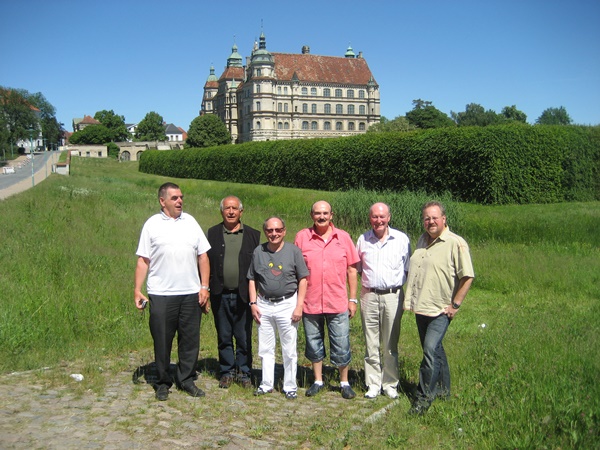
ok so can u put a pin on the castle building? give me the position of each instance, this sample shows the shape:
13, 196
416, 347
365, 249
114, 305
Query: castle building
292, 96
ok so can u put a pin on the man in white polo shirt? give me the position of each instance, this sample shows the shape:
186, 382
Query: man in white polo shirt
172, 254
384, 256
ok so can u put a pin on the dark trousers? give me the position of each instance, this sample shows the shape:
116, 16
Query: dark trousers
233, 320
434, 374
168, 315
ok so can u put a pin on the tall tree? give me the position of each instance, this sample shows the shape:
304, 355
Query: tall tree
512, 114
400, 123
151, 128
207, 131
19, 117
51, 128
475, 115
114, 123
425, 115
92, 134
554, 116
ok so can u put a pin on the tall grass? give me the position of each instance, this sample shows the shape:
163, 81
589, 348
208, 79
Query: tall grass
528, 379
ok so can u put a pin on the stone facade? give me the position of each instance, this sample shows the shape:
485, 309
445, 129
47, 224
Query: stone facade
293, 96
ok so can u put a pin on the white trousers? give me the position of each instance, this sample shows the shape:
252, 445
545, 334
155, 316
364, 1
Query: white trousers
278, 317
381, 316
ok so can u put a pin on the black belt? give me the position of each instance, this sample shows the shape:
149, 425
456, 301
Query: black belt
278, 299
386, 291
229, 291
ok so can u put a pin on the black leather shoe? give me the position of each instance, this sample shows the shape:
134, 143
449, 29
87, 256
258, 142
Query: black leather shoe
347, 392
162, 393
225, 381
193, 391
314, 389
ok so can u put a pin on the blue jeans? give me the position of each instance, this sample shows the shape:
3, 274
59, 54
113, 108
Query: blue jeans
434, 374
233, 320
338, 326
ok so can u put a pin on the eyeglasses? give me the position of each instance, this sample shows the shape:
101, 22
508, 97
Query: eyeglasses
274, 230
431, 219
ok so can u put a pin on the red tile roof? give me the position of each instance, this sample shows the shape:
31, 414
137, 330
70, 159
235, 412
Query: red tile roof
88, 120
233, 73
321, 69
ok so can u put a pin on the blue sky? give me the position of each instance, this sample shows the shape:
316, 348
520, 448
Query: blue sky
136, 56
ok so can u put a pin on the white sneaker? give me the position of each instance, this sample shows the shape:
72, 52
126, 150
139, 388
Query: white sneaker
391, 392
372, 392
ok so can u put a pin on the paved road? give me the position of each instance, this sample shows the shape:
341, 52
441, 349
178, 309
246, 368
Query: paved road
14, 183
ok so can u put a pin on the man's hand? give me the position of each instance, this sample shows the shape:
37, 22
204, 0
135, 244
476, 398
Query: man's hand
256, 315
297, 314
204, 300
351, 309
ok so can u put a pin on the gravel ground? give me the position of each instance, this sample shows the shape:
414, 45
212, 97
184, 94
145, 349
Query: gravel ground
49, 409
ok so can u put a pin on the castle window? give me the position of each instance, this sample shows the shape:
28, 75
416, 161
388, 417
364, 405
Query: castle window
279, 107
285, 107
361, 109
361, 94
313, 125
313, 91
350, 93
305, 107
351, 126
339, 109
285, 90
286, 126
327, 126
305, 125
339, 126
304, 91
361, 126
313, 108
350, 109
258, 72
327, 108
258, 106
258, 88
279, 90
280, 126
326, 92
338, 93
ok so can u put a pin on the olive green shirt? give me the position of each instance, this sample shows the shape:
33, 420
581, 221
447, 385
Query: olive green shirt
435, 272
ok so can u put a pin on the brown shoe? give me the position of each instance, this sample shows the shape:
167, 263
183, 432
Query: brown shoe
225, 381
246, 381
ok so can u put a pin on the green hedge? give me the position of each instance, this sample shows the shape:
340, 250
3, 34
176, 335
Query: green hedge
496, 164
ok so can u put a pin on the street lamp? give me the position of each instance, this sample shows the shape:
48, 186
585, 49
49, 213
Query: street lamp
31, 155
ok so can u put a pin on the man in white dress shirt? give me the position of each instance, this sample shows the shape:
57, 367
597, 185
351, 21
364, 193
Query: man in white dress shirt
384, 257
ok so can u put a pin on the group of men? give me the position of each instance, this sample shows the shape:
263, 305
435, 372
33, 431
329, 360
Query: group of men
278, 284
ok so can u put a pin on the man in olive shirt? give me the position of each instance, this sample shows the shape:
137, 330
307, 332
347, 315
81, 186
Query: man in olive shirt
440, 275
232, 244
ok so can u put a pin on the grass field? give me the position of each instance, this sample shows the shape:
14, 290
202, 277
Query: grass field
529, 378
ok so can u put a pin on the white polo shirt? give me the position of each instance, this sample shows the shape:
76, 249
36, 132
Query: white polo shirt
173, 247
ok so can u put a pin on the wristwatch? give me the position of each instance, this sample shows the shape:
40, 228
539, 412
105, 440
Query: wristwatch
205, 287
252, 303
353, 300
455, 305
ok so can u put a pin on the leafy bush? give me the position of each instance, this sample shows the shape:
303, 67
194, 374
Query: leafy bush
513, 163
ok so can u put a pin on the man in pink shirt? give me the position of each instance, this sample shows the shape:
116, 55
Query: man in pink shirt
331, 258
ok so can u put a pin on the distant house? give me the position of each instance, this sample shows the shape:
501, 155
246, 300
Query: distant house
80, 124
174, 133
131, 128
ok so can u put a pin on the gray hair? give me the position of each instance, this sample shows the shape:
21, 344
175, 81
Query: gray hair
234, 197
273, 217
